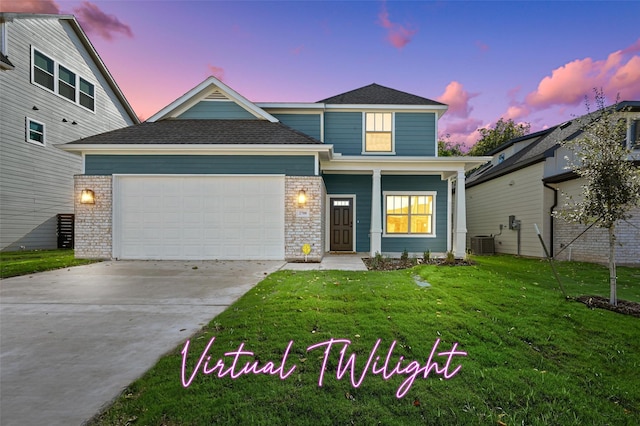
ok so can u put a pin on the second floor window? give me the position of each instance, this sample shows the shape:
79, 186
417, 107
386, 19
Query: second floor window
378, 132
59, 79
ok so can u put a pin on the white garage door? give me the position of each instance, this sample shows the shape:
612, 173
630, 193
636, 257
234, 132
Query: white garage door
199, 217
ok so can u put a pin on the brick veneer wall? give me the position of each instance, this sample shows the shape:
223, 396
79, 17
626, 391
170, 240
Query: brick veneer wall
593, 245
93, 222
304, 224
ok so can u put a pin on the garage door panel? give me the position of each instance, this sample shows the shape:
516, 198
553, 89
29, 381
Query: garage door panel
199, 217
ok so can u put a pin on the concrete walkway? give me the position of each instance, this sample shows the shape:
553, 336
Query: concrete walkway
343, 262
71, 340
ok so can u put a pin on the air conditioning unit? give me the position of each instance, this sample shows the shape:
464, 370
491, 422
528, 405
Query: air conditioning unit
483, 244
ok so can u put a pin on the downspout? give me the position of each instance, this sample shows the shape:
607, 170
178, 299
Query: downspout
555, 204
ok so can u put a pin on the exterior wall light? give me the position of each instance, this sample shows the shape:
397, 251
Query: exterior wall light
87, 197
302, 197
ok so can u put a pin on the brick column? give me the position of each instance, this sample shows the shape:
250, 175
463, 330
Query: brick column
93, 222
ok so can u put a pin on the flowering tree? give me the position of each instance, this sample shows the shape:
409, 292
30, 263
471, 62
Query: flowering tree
612, 182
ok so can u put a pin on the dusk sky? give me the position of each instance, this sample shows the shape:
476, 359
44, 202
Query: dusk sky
530, 61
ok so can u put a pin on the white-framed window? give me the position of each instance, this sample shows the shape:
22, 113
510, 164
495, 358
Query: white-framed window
378, 132
410, 214
34, 131
59, 79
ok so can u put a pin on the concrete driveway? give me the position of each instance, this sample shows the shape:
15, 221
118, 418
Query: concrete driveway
71, 340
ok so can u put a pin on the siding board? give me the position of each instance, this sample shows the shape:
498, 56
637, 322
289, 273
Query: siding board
36, 182
344, 131
415, 134
290, 165
308, 124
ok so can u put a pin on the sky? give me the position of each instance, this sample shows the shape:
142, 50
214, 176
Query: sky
533, 62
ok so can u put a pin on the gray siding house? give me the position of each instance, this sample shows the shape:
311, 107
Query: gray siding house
528, 179
215, 176
54, 88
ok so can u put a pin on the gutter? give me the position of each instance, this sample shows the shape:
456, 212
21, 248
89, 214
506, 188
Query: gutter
555, 204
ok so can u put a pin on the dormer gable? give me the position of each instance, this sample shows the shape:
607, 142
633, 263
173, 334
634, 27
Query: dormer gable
212, 99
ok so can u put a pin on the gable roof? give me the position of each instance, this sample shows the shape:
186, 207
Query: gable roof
211, 88
545, 144
199, 132
374, 94
86, 43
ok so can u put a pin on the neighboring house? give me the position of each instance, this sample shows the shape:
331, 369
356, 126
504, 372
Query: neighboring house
215, 176
54, 88
528, 179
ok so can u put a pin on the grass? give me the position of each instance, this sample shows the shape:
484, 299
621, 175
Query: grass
27, 262
532, 357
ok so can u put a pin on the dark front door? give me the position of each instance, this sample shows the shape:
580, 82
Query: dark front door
341, 228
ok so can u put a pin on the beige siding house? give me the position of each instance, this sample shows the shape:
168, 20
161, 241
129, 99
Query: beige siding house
527, 180
54, 88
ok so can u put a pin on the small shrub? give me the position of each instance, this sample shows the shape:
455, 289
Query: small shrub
426, 256
450, 258
377, 261
404, 256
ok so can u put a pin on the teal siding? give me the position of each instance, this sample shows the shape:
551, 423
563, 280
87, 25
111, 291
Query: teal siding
419, 183
216, 109
415, 134
360, 185
289, 165
344, 131
308, 124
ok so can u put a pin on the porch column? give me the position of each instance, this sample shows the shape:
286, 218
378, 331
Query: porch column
460, 218
376, 219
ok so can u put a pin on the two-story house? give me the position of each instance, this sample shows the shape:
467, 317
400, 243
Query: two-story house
215, 176
54, 88
528, 179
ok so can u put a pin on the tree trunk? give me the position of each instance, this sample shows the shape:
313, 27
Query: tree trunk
613, 296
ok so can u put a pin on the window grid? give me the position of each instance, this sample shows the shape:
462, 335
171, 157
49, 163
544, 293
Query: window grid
35, 131
57, 78
409, 214
378, 132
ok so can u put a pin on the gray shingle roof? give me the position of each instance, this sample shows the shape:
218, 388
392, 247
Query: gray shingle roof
544, 144
203, 132
375, 94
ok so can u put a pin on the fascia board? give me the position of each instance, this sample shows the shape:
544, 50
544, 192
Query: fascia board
400, 164
165, 149
201, 91
290, 105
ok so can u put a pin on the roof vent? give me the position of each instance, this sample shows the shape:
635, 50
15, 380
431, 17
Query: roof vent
216, 95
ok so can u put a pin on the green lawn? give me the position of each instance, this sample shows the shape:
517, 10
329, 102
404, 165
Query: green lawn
27, 262
532, 357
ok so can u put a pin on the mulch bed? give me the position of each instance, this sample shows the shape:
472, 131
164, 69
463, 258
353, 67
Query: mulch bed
624, 306
392, 264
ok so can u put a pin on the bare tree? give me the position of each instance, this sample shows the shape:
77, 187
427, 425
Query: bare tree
611, 181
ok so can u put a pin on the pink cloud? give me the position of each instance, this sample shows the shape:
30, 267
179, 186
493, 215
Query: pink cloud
217, 72
30, 6
482, 46
464, 132
95, 21
398, 35
298, 50
570, 83
458, 99
567, 86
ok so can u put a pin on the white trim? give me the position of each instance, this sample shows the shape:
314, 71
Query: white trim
200, 92
328, 219
27, 133
4, 43
449, 217
435, 124
433, 194
56, 80
293, 106
199, 149
316, 164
